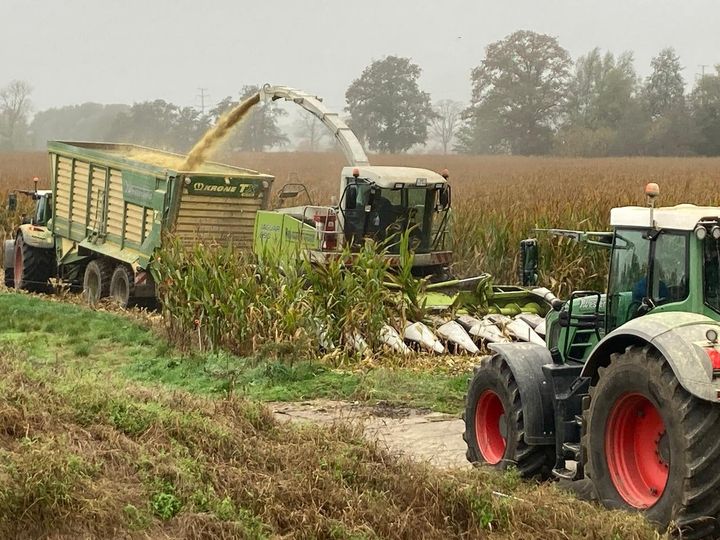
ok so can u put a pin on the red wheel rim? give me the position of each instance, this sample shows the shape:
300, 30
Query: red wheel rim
636, 450
18, 270
489, 413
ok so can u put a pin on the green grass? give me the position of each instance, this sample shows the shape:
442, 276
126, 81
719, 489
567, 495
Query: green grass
60, 332
86, 453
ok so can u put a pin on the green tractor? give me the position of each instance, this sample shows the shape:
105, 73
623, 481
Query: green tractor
625, 393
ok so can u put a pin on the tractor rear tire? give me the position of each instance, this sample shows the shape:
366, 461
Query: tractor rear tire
96, 283
651, 446
33, 267
122, 285
494, 428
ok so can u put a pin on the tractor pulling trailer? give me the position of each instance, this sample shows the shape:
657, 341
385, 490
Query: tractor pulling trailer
109, 209
627, 385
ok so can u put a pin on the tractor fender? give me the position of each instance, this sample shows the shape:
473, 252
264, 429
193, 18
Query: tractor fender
37, 236
679, 337
525, 361
9, 254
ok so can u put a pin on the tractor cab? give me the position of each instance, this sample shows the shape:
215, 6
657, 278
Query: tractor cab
661, 260
383, 202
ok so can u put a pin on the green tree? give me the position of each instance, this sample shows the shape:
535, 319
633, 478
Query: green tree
259, 130
601, 90
388, 111
517, 95
665, 86
705, 107
601, 100
15, 107
85, 122
159, 124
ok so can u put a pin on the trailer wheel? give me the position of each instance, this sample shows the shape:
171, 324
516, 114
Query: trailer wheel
494, 428
96, 283
122, 285
651, 445
33, 267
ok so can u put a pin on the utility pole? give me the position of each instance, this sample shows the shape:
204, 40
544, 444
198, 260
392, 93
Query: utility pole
202, 95
702, 69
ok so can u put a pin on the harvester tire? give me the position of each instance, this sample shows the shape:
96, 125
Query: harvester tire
494, 428
33, 267
122, 285
651, 446
96, 283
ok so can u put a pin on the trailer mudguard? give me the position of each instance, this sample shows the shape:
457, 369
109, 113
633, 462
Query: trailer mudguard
525, 361
37, 236
9, 254
679, 337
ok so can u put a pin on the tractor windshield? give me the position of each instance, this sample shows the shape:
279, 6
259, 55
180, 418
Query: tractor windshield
711, 270
392, 211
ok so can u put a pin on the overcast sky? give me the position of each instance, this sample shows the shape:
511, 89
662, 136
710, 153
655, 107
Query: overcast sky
73, 51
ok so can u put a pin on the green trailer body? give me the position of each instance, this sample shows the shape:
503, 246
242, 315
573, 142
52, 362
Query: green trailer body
118, 200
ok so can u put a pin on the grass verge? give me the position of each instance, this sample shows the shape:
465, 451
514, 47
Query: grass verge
84, 452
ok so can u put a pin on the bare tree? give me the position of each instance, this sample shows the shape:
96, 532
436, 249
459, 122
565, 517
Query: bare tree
446, 122
310, 131
15, 107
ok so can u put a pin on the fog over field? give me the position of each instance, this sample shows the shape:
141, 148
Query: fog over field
121, 52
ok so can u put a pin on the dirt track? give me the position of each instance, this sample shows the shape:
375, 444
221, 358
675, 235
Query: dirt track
427, 436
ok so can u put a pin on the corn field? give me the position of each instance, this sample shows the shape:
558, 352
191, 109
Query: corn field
497, 200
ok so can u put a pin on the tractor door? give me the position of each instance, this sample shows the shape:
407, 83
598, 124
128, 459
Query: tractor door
649, 268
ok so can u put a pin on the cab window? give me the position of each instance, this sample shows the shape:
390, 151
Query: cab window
628, 276
669, 281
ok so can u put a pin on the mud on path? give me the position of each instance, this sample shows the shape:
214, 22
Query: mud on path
426, 436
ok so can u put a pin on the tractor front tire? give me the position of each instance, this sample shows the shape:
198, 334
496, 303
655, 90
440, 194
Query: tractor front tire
96, 283
122, 285
494, 427
33, 267
651, 446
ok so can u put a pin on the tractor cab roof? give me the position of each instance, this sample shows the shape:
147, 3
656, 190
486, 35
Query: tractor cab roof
387, 177
682, 217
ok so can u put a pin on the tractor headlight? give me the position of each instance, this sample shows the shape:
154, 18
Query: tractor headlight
715, 231
700, 232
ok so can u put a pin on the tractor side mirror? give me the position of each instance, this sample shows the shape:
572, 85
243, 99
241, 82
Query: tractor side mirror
12, 202
444, 197
528, 262
351, 197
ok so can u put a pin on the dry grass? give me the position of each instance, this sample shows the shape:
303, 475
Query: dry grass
86, 454
498, 200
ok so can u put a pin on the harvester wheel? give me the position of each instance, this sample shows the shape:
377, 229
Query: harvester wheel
33, 267
122, 285
96, 283
652, 446
494, 428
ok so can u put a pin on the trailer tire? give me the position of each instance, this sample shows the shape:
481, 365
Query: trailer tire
653, 447
122, 285
33, 267
494, 426
96, 282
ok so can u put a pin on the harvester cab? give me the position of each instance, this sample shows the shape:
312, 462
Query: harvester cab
626, 390
383, 202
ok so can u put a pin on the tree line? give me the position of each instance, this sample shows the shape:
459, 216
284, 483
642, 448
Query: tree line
528, 97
